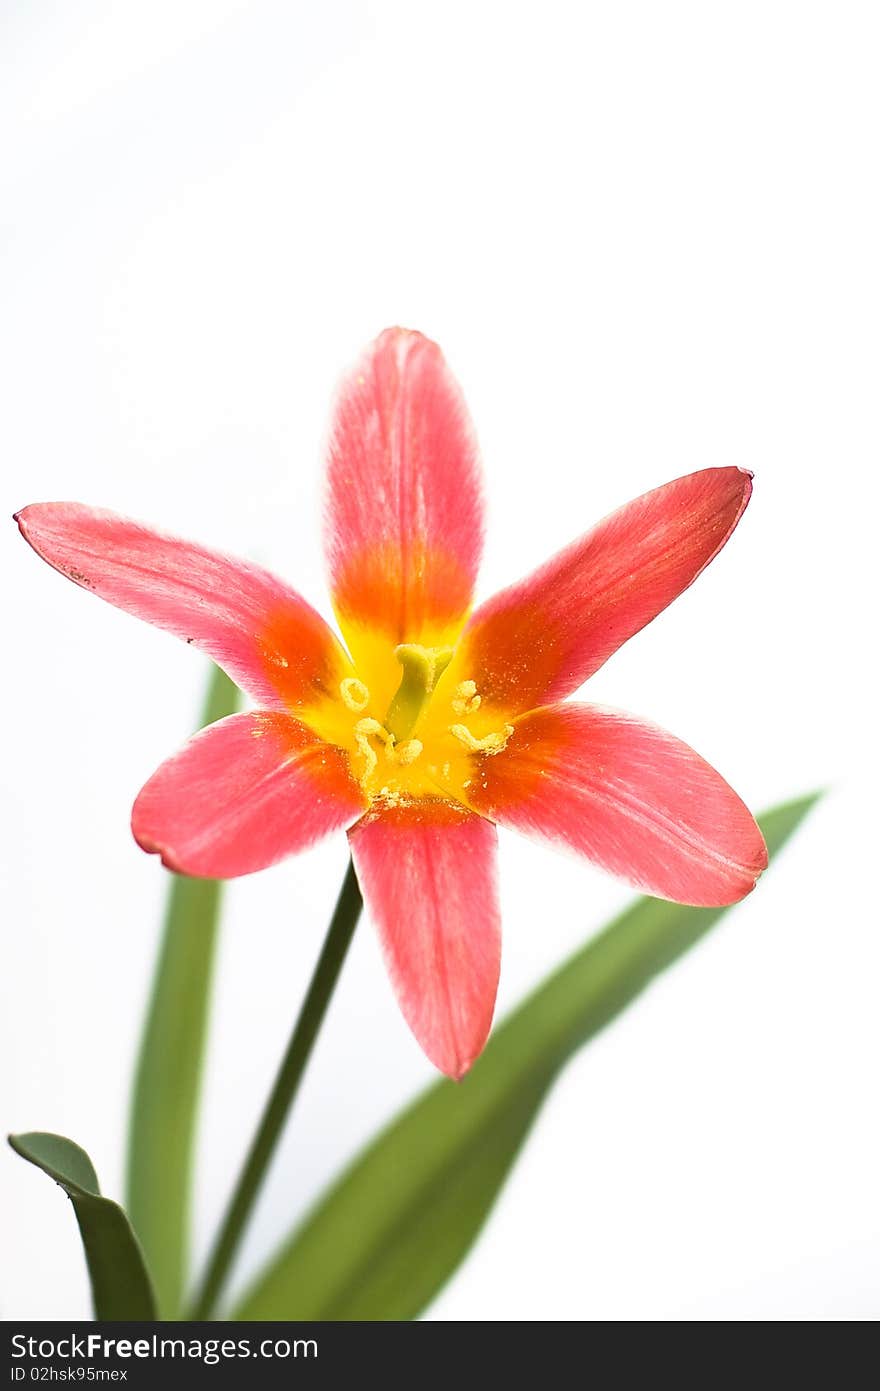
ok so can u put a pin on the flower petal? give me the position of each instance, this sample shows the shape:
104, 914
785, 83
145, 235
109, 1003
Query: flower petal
427, 873
243, 794
268, 639
539, 640
404, 501
630, 797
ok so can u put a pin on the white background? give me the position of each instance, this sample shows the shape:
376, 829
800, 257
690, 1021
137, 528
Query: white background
647, 238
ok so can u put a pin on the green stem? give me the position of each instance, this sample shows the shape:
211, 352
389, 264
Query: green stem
293, 1065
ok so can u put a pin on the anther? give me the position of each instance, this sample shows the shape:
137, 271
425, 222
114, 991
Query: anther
355, 696
370, 726
490, 743
405, 753
362, 731
465, 700
401, 754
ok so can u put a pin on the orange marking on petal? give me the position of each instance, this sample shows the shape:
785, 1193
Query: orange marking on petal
517, 657
409, 598
301, 658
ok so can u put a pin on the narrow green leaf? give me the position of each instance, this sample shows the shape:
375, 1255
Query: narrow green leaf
167, 1079
120, 1284
392, 1230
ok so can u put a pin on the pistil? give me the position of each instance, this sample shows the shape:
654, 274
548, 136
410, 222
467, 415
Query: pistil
422, 669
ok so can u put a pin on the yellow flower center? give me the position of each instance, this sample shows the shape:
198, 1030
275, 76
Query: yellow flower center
421, 745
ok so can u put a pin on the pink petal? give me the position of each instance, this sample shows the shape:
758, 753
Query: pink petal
630, 797
243, 794
260, 631
427, 873
404, 504
540, 639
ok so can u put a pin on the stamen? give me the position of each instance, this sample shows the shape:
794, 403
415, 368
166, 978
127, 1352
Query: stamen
405, 753
465, 700
402, 754
371, 726
355, 696
362, 731
490, 743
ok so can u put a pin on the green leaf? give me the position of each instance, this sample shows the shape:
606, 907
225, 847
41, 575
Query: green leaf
392, 1230
120, 1284
167, 1079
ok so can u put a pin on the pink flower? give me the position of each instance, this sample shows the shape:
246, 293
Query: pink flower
435, 724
